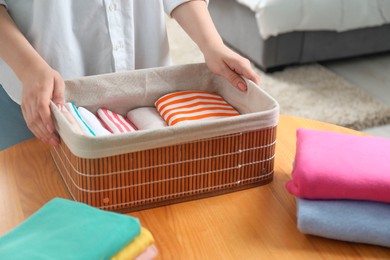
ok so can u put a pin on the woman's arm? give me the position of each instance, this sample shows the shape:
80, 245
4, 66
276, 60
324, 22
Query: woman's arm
195, 19
40, 82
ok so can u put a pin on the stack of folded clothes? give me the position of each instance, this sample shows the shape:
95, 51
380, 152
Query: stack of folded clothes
64, 229
175, 108
342, 186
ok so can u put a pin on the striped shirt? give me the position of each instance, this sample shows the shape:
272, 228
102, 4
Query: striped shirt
114, 122
187, 106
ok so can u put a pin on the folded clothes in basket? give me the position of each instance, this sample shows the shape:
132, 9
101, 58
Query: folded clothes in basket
64, 229
187, 106
332, 165
86, 129
146, 118
106, 123
71, 120
348, 220
93, 122
114, 122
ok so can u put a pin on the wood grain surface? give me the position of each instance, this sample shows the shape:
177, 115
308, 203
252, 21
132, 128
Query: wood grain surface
257, 223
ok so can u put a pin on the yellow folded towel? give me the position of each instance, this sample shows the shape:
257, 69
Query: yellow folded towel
135, 247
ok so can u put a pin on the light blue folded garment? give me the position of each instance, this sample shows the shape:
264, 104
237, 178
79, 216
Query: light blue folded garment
349, 220
64, 229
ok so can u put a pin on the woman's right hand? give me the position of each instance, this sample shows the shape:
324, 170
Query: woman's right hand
40, 82
40, 86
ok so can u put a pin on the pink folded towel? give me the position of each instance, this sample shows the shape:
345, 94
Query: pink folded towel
114, 122
149, 253
332, 165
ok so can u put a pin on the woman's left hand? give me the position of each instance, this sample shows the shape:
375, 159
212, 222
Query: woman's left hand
195, 19
226, 63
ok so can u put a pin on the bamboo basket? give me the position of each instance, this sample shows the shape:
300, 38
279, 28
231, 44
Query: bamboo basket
136, 171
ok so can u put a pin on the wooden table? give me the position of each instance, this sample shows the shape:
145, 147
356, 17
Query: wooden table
258, 223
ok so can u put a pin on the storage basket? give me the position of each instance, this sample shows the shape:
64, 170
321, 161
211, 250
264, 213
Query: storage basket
149, 168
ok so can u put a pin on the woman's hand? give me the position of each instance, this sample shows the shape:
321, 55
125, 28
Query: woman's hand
40, 82
226, 63
40, 86
195, 19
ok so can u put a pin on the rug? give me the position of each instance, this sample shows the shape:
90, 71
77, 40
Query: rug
308, 91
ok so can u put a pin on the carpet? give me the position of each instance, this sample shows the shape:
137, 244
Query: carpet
309, 91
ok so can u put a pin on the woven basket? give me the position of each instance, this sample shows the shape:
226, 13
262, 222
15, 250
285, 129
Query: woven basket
151, 168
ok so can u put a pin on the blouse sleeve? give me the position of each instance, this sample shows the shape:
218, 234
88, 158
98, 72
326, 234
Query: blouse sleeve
169, 5
2, 2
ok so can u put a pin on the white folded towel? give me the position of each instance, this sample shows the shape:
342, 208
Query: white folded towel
146, 118
93, 122
83, 125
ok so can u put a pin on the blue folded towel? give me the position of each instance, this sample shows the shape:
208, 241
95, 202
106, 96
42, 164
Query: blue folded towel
64, 229
349, 220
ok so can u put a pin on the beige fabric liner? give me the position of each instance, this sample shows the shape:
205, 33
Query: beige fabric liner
123, 91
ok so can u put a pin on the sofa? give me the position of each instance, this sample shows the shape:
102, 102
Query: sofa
238, 23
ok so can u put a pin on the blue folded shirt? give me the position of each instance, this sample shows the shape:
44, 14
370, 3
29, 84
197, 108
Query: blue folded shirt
64, 229
349, 220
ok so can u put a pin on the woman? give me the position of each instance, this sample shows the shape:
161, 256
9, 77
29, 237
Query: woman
44, 42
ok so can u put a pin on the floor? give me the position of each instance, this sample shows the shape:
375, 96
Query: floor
371, 74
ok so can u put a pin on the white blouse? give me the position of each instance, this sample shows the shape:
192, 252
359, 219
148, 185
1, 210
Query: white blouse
80, 38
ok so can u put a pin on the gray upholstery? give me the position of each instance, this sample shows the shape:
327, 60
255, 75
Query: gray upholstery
238, 27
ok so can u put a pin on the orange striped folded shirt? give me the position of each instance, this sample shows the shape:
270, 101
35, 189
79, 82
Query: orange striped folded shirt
186, 106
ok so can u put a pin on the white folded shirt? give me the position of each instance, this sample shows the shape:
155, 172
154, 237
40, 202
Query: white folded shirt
82, 124
93, 122
146, 118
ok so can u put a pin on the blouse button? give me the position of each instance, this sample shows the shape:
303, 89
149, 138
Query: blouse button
112, 7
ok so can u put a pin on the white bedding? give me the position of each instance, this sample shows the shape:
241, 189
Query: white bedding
281, 16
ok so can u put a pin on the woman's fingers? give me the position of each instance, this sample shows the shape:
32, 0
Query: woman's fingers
36, 105
233, 67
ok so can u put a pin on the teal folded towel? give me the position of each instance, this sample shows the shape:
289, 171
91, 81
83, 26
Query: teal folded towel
64, 229
349, 220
